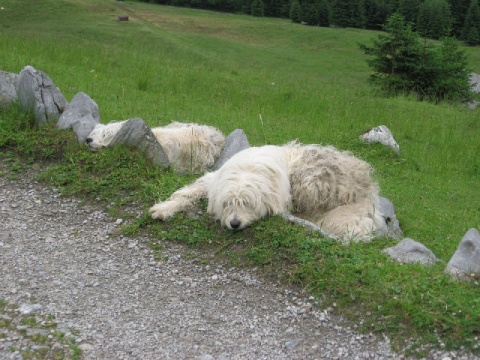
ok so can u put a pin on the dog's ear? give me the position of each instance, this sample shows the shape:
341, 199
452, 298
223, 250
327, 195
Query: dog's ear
273, 202
215, 204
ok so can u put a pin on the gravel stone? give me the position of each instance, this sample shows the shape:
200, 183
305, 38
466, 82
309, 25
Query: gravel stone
108, 292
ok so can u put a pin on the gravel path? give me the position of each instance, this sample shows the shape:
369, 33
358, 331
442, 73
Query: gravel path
123, 304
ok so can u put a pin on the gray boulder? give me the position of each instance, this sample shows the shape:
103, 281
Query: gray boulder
392, 225
81, 115
466, 260
234, 143
381, 134
475, 86
8, 88
475, 82
37, 93
135, 133
410, 251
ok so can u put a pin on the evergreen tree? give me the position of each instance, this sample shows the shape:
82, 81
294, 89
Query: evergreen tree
401, 64
295, 11
358, 13
277, 8
341, 14
377, 12
453, 79
324, 13
409, 9
272, 8
434, 19
349, 13
285, 8
247, 6
459, 9
394, 54
256, 8
309, 12
471, 28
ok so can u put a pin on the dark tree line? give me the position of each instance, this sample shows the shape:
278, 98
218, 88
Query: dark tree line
430, 18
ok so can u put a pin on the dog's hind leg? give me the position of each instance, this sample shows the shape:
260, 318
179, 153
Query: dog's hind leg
358, 221
181, 199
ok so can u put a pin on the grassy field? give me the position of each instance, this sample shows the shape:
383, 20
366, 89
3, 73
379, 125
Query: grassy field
278, 81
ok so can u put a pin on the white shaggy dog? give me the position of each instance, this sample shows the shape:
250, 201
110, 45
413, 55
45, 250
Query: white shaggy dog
332, 188
189, 147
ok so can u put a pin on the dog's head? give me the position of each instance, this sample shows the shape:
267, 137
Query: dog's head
239, 199
96, 139
102, 135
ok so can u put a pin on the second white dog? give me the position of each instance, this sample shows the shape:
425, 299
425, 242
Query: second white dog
332, 188
189, 147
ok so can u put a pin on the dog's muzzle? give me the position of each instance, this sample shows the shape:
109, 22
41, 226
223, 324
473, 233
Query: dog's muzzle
235, 224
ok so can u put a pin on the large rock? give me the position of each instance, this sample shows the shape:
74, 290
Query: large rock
466, 260
381, 134
475, 82
234, 143
410, 251
475, 86
81, 115
137, 134
37, 93
8, 88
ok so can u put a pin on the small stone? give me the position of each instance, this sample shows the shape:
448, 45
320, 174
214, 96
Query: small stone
86, 347
27, 309
292, 344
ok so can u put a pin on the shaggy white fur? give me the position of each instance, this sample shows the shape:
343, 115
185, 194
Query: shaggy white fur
103, 134
332, 188
189, 147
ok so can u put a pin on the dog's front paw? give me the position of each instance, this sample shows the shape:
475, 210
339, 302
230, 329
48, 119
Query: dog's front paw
160, 211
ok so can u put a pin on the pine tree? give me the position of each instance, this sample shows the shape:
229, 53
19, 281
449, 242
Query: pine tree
434, 19
471, 28
341, 14
377, 12
402, 64
409, 9
324, 13
272, 8
295, 10
453, 79
358, 13
459, 9
309, 12
285, 8
349, 13
257, 8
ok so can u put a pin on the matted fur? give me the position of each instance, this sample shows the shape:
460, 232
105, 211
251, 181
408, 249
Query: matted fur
332, 188
189, 147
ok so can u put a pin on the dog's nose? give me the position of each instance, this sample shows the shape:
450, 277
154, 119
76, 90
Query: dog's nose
235, 223
88, 140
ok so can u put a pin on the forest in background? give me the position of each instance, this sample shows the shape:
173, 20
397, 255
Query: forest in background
433, 19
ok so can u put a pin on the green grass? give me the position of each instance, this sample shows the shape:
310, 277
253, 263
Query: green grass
278, 81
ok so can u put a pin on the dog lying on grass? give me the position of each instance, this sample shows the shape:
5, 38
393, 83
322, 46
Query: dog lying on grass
331, 188
189, 147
